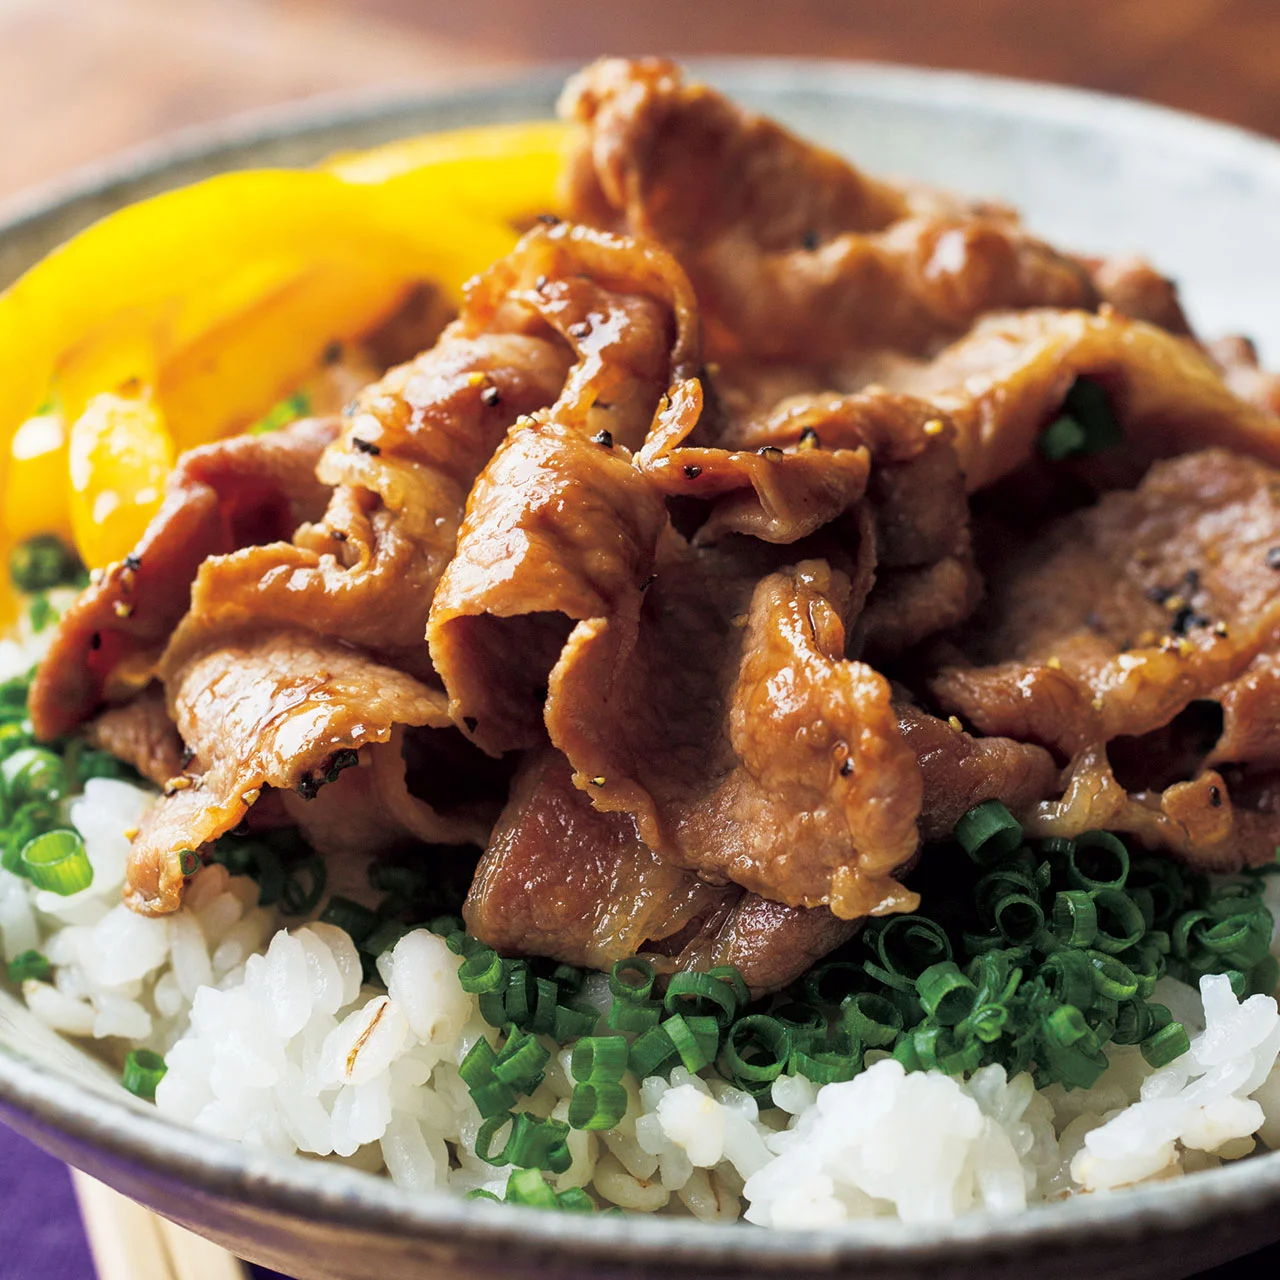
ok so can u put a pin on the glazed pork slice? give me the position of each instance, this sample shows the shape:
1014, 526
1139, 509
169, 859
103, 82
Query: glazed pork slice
141, 734
561, 879
1006, 380
1110, 625
738, 736
278, 709
236, 493
794, 254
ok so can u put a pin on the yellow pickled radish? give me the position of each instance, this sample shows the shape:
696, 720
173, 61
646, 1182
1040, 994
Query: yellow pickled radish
35, 490
119, 456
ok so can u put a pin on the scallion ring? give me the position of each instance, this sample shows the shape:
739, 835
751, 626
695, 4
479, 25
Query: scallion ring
58, 862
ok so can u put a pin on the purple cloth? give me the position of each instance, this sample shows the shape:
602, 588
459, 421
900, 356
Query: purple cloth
41, 1237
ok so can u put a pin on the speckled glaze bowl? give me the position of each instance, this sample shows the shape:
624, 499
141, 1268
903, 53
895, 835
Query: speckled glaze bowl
1093, 173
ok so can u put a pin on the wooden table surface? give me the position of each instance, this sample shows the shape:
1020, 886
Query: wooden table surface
82, 78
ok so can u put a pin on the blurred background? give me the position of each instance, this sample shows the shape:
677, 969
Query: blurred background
82, 78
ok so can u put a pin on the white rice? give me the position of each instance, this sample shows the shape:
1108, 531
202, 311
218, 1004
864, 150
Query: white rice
272, 1039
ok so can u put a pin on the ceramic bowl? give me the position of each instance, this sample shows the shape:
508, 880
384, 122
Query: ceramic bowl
1093, 173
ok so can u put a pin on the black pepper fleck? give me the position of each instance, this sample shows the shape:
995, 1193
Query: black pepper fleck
769, 451
365, 446
540, 283
847, 767
580, 330
1273, 558
604, 438
491, 396
332, 353
188, 755
1185, 619
810, 240
1215, 798
549, 219
470, 722
95, 640
648, 582
133, 562
692, 471
339, 535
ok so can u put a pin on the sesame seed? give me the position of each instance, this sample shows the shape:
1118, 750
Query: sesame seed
131, 833
476, 379
954, 722
809, 439
934, 427
1054, 663
250, 797
598, 781
122, 609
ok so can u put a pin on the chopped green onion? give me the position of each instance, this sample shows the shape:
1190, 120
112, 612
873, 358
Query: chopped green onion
696, 1039
631, 979
1163, 1046
353, 919
532, 1143
57, 861
1120, 922
828, 985
701, 995
384, 938
30, 964
871, 1019
575, 1200
1070, 976
143, 1070
825, 1066
757, 1048
599, 1058
597, 1105
520, 1062
1074, 921
729, 973
481, 971
33, 773
1098, 860
1111, 977
568, 978
1087, 425
1063, 438
651, 1053
529, 1187
988, 832
574, 1020
304, 887
947, 995
1018, 917
43, 562
631, 1015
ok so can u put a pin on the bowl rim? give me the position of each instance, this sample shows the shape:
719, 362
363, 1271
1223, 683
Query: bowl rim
301, 1188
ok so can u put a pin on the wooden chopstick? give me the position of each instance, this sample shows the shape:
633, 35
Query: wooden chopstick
129, 1242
